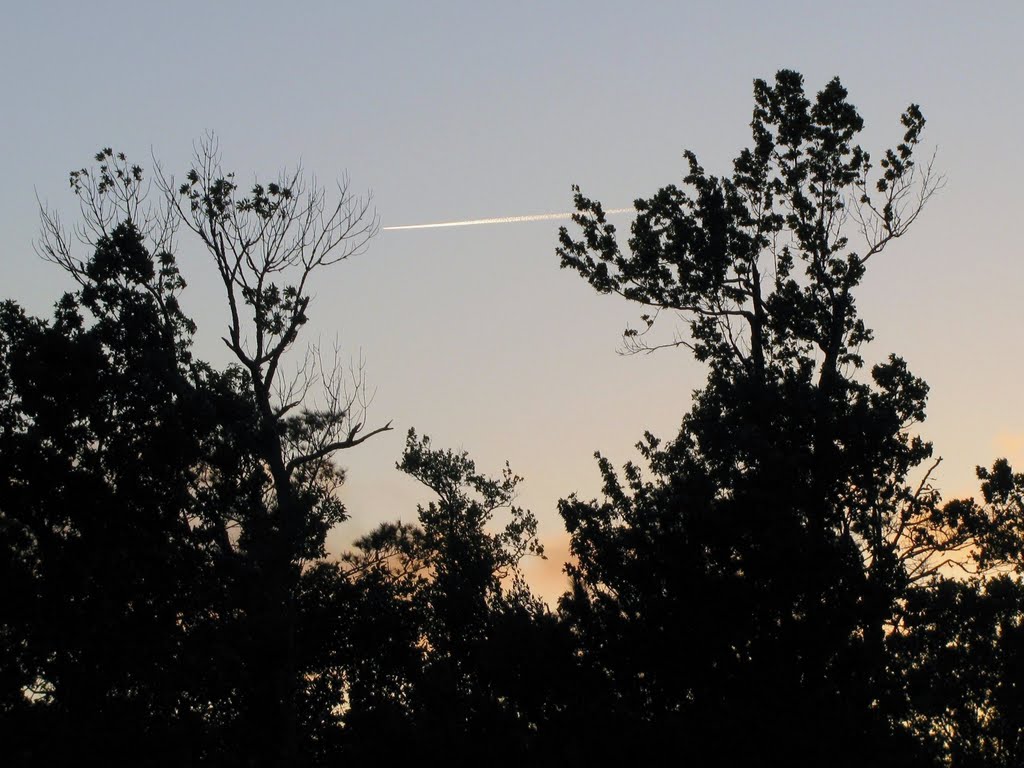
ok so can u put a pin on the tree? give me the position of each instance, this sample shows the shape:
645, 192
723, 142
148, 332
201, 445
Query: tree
271, 479
959, 644
267, 245
996, 523
479, 688
959, 654
106, 424
786, 502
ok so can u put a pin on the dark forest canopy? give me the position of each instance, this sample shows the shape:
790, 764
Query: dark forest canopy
779, 578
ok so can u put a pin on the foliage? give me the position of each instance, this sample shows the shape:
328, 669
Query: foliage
244, 456
474, 620
959, 653
748, 585
108, 545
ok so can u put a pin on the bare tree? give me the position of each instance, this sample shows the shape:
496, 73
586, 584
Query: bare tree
269, 243
266, 245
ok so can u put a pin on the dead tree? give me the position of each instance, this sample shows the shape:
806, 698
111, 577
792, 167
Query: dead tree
269, 243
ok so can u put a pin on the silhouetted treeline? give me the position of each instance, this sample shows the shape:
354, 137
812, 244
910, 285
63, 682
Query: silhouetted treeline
779, 583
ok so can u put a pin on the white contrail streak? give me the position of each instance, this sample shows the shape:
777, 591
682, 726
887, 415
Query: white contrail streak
499, 220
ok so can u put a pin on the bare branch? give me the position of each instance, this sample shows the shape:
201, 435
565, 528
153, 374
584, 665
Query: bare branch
349, 442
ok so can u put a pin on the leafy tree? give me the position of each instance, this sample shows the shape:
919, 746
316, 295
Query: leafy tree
996, 522
958, 643
744, 583
478, 689
107, 548
959, 651
256, 491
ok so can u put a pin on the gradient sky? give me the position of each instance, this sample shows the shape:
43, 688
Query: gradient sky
458, 110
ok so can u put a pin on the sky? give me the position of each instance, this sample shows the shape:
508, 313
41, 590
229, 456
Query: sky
465, 110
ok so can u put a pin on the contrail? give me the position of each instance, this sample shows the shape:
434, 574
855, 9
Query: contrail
500, 220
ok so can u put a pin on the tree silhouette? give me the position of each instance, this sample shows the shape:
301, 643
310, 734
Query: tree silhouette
253, 479
960, 655
268, 245
744, 583
477, 691
106, 424
958, 645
